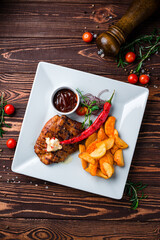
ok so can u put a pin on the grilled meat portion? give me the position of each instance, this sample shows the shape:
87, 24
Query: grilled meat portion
61, 128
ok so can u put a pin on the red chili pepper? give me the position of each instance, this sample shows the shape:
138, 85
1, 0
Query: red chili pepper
94, 127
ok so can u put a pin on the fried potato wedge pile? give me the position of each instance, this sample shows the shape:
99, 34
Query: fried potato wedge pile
102, 150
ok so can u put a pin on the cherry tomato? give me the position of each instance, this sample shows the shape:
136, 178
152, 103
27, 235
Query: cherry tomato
132, 78
144, 79
130, 57
11, 143
81, 111
87, 37
9, 109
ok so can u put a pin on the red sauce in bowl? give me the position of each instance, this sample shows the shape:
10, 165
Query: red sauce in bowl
65, 100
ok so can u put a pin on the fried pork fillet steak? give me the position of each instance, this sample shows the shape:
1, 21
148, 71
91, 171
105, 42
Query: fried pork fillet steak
62, 128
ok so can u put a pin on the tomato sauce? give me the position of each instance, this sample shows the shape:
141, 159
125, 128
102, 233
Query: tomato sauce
65, 100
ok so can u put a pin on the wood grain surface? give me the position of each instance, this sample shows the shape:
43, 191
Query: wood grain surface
50, 30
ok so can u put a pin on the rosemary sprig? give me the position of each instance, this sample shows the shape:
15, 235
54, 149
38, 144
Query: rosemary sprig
132, 191
145, 46
2, 115
90, 108
152, 50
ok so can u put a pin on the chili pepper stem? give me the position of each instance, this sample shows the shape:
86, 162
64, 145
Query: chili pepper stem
109, 101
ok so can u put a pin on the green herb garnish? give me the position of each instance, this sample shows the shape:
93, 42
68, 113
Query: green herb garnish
2, 114
91, 107
145, 46
132, 191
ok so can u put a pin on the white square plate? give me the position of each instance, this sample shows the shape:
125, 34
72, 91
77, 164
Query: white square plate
128, 107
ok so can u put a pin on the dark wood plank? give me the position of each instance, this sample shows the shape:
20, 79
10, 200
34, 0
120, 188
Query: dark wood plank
23, 19
22, 55
56, 20
61, 229
91, 2
24, 197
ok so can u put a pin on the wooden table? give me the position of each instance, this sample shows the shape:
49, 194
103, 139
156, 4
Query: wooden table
51, 30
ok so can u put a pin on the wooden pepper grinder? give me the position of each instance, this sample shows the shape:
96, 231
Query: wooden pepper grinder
109, 42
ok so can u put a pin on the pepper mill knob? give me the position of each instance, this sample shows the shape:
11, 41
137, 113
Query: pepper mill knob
110, 41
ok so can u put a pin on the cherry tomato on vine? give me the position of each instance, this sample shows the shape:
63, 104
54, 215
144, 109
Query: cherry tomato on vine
81, 111
130, 57
11, 143
144, 79
9, 109
132, 78
87, 37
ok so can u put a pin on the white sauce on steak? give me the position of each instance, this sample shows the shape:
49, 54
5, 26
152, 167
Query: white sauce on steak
53, 144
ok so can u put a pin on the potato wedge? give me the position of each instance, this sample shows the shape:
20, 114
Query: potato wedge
99, 152
120, 143
114, 149
93, 168
101, 134
100, 174
109, 169
118, 158
115, 133
109, 126
81, 148
87, 170
90, 139
92, 146
105, 159
86, 156
108, 158
84, 163
108, 143
101, 161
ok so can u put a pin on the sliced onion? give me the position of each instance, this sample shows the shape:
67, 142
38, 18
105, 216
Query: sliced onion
99, 102
103, 91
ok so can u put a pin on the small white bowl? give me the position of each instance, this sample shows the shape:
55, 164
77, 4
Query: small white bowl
73, 90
